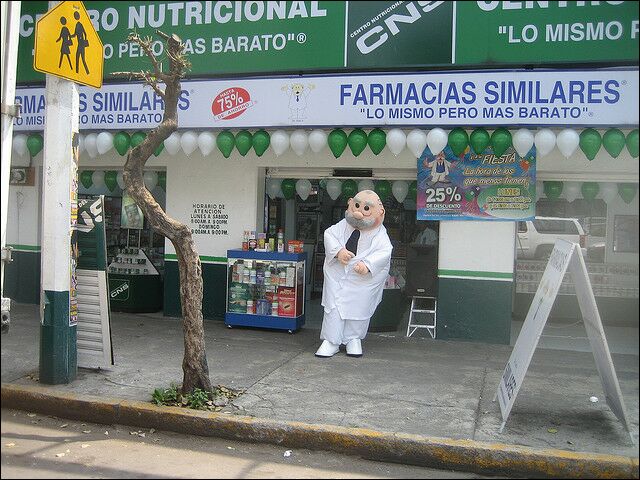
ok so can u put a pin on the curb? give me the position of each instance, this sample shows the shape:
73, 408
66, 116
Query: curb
433, 452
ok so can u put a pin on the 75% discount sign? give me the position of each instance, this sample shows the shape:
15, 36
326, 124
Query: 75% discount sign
230, 103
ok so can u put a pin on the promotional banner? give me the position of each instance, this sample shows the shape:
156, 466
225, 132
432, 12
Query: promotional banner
239, 37
74, 253
474, 186
131, 216
541, 98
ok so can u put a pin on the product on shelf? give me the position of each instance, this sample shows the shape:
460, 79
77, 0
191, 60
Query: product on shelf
280, 241
132, 261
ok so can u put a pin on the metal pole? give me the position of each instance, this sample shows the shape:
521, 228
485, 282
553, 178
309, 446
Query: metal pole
58, 350
10, 23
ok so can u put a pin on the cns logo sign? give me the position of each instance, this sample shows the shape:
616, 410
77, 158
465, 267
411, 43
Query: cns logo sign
119, 290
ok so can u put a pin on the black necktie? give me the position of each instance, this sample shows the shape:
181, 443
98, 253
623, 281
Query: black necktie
352, 243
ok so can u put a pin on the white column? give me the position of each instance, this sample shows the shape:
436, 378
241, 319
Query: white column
9, 42
61, 121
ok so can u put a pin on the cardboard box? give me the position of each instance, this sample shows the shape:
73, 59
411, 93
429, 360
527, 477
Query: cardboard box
286, 302
295, 246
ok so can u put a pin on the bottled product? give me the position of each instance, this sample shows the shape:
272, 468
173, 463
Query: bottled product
280, 241
245, 240
261, 241
252, 240
250, 306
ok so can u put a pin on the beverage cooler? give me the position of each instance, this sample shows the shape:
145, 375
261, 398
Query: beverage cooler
265, 289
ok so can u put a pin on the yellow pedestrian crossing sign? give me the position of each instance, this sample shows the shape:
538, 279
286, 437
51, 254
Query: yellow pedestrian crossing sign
68, 46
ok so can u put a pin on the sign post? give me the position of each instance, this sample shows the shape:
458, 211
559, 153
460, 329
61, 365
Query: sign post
66, 27
565, 256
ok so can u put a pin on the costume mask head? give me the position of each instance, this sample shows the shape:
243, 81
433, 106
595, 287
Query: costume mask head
365, 210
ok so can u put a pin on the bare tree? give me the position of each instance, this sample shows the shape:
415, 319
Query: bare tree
194, 363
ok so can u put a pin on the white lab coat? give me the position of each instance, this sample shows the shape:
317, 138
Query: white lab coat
355, 296
434, 165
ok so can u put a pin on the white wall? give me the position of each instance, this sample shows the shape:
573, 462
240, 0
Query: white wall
232, 182
23, 214
476, 246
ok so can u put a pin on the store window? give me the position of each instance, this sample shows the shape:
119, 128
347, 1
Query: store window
581, 221
625, 234
606, 240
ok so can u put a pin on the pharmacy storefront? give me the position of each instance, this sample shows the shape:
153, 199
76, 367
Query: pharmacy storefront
498, 163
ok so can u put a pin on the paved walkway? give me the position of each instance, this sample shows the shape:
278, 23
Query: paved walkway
432, 392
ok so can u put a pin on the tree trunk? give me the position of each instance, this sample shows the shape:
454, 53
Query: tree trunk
194, 364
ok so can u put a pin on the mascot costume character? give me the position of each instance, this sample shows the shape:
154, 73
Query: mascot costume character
356, 265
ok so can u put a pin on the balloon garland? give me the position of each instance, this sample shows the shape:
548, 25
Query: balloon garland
568, 140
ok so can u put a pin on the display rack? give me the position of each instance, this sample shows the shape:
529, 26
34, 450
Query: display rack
119, 238
265, 289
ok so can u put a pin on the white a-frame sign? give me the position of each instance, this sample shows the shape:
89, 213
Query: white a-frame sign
565, 255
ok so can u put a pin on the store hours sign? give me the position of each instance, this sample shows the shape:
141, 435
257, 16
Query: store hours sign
209, 219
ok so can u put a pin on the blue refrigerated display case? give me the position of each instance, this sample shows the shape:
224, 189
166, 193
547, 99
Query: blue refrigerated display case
265, 289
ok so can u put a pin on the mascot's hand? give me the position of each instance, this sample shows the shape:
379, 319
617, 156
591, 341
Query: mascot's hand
344, 256
361, 268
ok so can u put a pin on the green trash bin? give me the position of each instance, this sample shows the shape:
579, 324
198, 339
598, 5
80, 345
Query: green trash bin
135, 293
390, 312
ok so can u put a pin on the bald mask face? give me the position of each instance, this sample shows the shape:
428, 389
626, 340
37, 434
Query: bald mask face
365, 210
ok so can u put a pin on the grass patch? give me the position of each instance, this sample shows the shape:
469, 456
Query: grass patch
214, 400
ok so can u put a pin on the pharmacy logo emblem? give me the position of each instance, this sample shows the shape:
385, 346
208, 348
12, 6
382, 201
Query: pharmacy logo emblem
121, 291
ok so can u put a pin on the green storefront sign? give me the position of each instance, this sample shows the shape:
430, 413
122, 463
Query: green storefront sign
546, 32
220, 37
399, 34
233, 37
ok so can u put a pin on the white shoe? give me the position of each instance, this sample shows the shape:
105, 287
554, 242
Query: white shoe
327, 349
354, 348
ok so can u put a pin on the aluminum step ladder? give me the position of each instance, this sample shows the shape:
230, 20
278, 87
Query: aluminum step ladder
427, 306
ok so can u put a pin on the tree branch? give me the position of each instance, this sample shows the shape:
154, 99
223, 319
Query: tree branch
145, 44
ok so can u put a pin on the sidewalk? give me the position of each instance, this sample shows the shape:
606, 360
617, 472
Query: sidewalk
433, 396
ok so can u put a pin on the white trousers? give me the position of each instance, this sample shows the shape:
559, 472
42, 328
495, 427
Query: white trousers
439, 177
339, 331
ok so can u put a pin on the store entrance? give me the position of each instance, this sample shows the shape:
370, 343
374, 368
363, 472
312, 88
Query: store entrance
306, 220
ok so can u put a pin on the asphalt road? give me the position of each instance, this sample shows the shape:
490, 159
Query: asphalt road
39, 446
